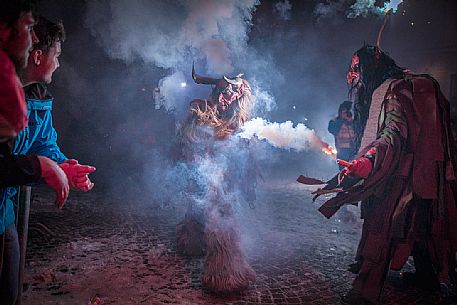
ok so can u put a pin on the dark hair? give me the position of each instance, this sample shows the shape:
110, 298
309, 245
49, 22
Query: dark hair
375, 66
12, 10
346, 105
48, 33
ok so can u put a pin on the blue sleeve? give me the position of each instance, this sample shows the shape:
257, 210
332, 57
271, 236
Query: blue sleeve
334, 126
45, 143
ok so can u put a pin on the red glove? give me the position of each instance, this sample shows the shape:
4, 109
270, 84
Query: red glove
360, 167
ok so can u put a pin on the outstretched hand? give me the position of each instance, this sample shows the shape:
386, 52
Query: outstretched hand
78, 174
360, 168
54, 176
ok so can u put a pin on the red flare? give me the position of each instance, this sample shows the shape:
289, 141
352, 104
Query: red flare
343, 163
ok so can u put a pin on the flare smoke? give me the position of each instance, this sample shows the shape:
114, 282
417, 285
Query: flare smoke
285, 135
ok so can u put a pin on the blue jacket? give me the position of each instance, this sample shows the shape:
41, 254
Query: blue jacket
38, 138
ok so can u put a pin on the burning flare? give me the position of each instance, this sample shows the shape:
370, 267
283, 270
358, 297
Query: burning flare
329, 150
285, 135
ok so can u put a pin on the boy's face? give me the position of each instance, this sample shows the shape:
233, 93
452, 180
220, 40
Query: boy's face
46, 62
20, 41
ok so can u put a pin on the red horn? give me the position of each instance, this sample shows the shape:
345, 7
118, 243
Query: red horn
202, 79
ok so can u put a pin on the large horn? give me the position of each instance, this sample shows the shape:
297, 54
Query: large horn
202, 79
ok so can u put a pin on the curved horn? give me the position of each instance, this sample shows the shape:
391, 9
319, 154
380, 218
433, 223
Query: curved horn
202, 79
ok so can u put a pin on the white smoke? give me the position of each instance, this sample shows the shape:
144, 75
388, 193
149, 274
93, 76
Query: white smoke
392, 5
171, 34
171, 89
283, 8
283, 135
265, 102
329, 10
364, 8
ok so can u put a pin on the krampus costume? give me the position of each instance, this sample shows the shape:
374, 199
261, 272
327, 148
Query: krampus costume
209, 225
404, 176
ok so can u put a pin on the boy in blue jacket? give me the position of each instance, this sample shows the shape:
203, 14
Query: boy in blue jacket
16, 38
40, 137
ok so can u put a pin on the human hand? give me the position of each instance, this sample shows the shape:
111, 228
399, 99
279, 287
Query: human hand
360, 168
54, 176
78, 174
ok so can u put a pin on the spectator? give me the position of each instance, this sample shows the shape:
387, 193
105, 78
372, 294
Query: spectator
343, 130
16, 37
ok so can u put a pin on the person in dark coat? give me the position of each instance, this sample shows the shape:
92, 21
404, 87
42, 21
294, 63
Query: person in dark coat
403, 175
342, 129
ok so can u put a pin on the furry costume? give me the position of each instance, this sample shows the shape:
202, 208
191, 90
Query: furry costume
212, 229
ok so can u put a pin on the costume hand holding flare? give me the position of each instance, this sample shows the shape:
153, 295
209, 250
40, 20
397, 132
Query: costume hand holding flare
360, 167
406, 185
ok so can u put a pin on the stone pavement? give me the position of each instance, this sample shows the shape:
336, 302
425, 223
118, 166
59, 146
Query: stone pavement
124, 251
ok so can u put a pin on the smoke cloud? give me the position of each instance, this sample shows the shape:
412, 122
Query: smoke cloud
283, 135
295, 65
283, 8
172, 33
361, 8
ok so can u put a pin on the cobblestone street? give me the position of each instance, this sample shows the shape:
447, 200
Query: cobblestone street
124, 251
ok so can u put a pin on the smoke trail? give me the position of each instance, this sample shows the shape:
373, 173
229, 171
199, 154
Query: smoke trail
362, 8
285, 135
366, 7
392, 5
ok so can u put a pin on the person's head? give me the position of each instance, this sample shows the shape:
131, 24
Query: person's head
369, 68
44, 58
16, 30
345, 111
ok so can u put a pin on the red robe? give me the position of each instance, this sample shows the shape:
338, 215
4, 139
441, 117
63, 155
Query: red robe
414, 161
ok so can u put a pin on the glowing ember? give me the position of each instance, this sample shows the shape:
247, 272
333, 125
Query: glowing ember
329, 150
